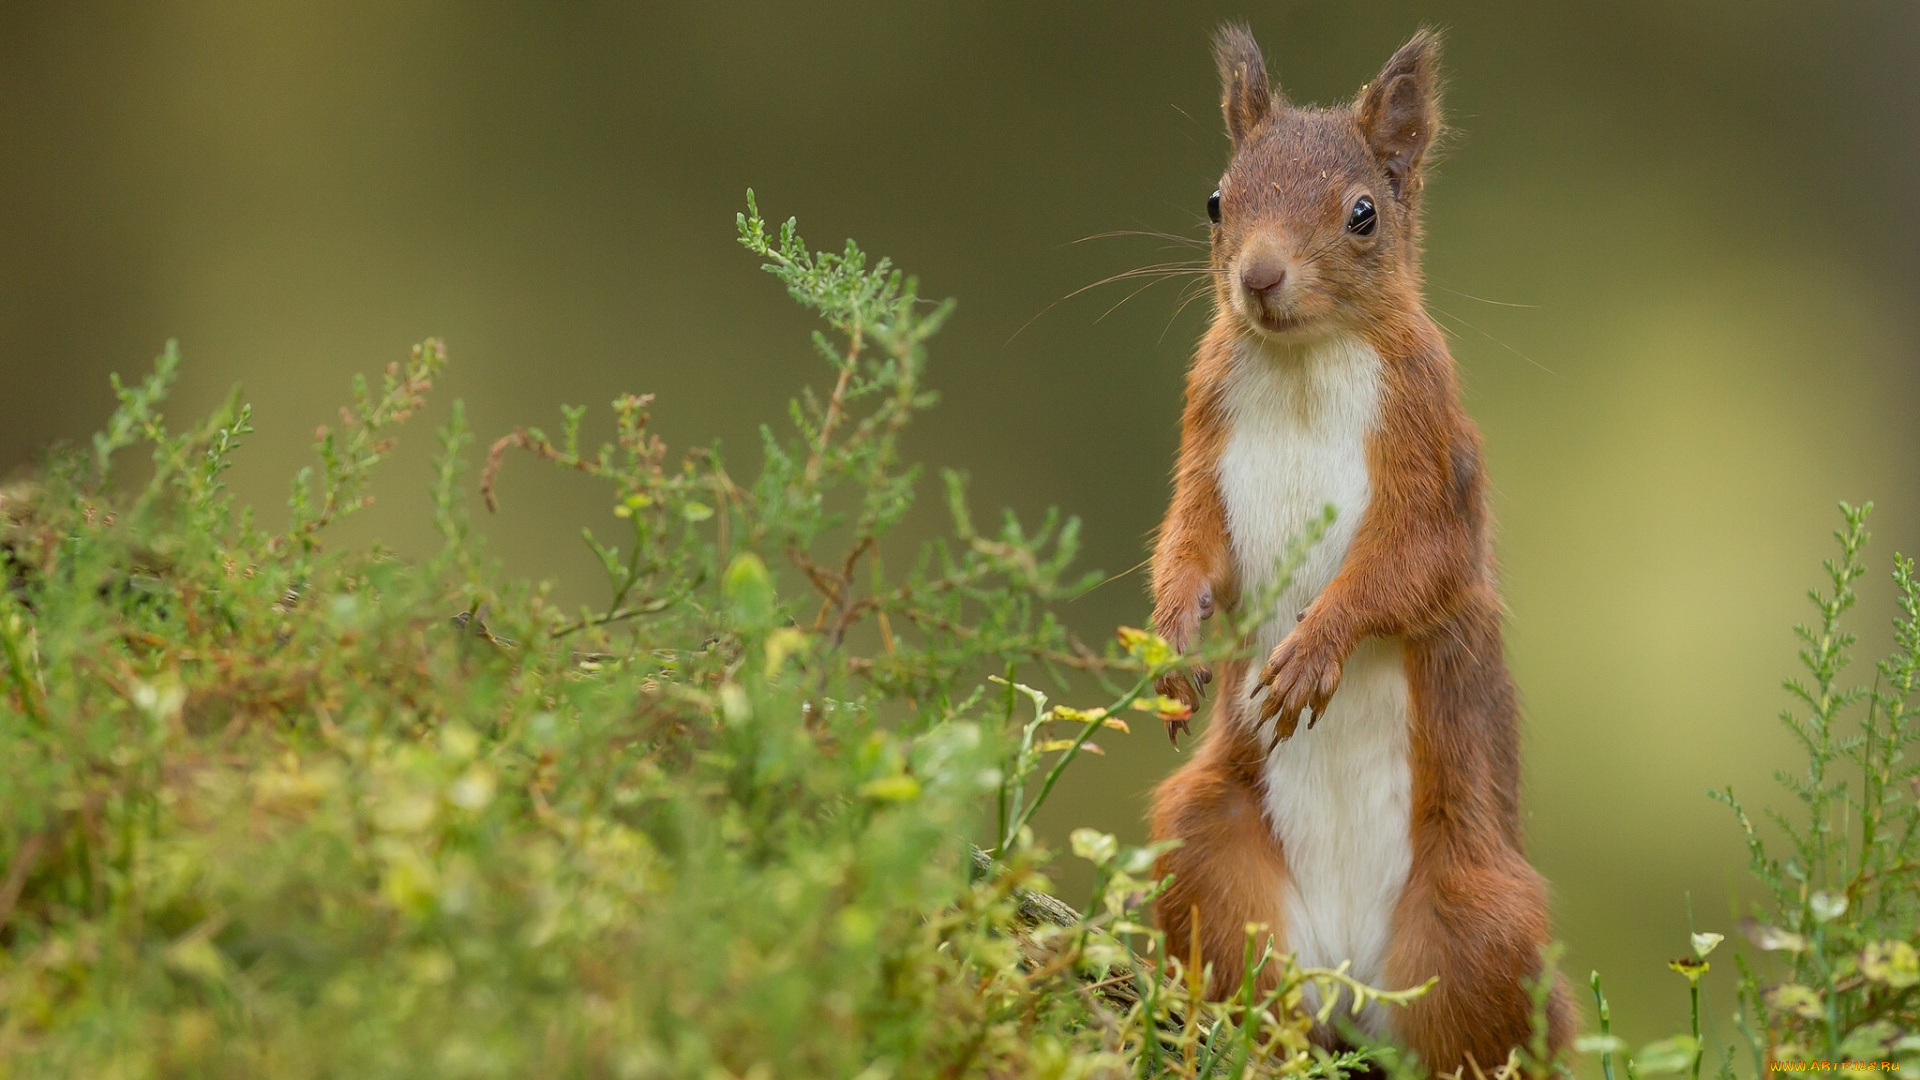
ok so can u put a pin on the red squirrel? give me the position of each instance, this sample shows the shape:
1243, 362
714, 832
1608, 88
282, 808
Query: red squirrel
1358, 791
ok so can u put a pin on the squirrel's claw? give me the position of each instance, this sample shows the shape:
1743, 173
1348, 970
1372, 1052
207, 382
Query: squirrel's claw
1180, 626
1299, 677
1186, 687
1177, 728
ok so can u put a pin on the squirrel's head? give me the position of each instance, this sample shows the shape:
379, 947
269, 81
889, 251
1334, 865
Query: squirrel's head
1317, 220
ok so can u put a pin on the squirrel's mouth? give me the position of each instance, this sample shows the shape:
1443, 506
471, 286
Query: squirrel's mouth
1279, 324
1278, 319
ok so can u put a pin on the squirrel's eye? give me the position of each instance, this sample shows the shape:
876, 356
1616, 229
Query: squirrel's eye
1213, 207
1362, 218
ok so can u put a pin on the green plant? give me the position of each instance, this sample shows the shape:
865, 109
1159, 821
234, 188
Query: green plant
1841, 914
269, 811
1844, 906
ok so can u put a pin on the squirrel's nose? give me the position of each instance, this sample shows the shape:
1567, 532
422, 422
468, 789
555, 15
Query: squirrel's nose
1262, 273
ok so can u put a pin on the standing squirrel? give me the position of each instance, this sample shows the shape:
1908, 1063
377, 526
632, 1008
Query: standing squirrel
1358, 792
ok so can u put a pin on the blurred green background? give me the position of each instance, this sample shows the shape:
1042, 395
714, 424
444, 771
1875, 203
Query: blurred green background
1677, 246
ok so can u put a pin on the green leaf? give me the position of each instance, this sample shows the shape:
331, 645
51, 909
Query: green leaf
892, 789
749, 589
1666, 1056
1094, 846
197, 958
1893, 963
1796, 1000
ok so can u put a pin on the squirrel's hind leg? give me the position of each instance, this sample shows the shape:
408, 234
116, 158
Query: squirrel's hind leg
1229, 870
1481, 929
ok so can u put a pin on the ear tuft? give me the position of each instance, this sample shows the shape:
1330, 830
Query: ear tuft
1399, 112
1246, 97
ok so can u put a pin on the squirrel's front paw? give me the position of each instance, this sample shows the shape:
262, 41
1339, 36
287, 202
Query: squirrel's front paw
1185, 685
1301, 674
1181, 629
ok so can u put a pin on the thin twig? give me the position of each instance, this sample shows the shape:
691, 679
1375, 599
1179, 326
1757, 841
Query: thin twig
835, 403
22, 865
648, 607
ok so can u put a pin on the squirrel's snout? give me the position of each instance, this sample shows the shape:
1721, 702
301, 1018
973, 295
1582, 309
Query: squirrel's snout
1269, 284
1263, 274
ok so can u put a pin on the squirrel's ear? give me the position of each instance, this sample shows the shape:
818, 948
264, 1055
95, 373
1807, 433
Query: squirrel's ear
1399, 112
1246, 98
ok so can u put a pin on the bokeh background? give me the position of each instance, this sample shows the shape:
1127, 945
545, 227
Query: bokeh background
1677, 246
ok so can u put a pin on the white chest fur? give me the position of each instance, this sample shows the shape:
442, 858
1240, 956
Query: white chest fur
1338, 794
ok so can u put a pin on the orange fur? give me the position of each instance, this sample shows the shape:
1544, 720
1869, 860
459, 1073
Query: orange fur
1420, 568
1228, 865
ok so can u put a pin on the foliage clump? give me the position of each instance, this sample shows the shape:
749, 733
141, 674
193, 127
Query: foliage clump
277, 809
1840, 914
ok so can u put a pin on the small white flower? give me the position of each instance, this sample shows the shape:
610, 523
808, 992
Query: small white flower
1826, 906
734, 704
473, 790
